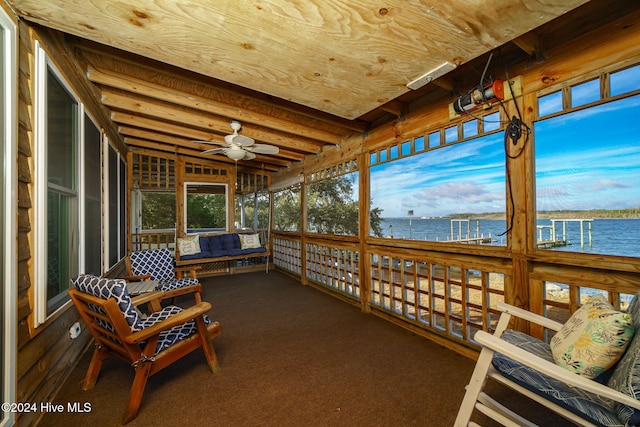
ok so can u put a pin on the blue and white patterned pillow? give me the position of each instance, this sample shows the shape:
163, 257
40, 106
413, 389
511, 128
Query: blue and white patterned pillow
157, 262
109, 288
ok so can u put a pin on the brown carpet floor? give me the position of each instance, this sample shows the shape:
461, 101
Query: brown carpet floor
290, 355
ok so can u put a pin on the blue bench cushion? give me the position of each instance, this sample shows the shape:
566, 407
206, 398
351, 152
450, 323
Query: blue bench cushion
221, 245
598, 410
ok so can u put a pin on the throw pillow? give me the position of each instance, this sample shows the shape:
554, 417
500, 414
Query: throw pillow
593, 339
249, 241
189, 245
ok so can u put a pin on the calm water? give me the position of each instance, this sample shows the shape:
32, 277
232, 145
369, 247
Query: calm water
608, 236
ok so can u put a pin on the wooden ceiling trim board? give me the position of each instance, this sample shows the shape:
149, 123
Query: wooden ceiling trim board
217, 125
185, 128
529, 43
187, 143
271, 165
394, 107
186, 99
123, 118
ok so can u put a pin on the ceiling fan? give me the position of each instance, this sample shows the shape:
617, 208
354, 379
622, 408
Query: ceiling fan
239, 147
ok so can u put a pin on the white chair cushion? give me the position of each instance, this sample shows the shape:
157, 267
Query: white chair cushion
593, 339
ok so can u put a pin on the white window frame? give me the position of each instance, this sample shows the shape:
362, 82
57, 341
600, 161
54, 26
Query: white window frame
10, 207
226, 202
42, 64
108, 221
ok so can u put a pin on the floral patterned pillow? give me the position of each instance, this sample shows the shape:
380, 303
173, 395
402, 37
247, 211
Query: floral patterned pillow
593, 339
189, 245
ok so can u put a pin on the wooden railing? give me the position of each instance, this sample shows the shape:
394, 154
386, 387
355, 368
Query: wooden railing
451, 294
153, 240
449, 297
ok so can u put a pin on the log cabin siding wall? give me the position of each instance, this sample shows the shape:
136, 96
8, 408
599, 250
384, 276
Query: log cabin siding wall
45, 354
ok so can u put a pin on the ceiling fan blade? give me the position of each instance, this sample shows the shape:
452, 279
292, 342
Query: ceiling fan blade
264, 149
242, 140
202, 141
213, 151
248, 155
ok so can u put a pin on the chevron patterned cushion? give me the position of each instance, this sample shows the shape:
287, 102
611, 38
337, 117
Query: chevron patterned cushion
157, 262
173, 335
109, 288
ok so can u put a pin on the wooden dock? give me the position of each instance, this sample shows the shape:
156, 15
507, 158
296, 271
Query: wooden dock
556, 239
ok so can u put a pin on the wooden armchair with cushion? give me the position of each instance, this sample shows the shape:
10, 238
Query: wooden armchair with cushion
159, 265
147, 344
589, 373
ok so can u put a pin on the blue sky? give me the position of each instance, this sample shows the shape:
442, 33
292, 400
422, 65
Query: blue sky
589, 159
466, 177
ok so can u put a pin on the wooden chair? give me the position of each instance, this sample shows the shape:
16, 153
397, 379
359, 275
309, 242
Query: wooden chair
527, 366
159, 265
148, 344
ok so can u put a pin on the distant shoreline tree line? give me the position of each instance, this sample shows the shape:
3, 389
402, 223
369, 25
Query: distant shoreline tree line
560, 214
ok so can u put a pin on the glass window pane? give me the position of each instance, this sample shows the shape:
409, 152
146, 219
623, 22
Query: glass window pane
62, 169
92, 201
451, 134
470, 129
332, 205
383, 156
588, 180
206, 207
434, 139
373, 159
62, 128
286, 209
158, 211
550, 104
625, 81
113, 207
122, 216
394, 152
491, 122
252, 211
406, 148
455, 193
61, 253
585, 93
419, 144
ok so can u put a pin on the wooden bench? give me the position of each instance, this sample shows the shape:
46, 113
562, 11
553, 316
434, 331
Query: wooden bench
215, 251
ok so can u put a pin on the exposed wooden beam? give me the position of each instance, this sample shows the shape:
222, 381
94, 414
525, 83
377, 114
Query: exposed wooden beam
215, 89
128, 131
140, 87
531, 44
269, 163
394, 107
158, 122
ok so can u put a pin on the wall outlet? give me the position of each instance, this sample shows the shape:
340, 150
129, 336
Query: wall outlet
74, 331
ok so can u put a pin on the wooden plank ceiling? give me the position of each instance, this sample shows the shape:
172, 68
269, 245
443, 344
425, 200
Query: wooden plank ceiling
301, 75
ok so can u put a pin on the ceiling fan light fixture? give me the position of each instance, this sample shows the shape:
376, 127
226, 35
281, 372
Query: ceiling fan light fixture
235, 153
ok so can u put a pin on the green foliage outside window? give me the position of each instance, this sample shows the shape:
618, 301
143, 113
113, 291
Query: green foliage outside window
158, 211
